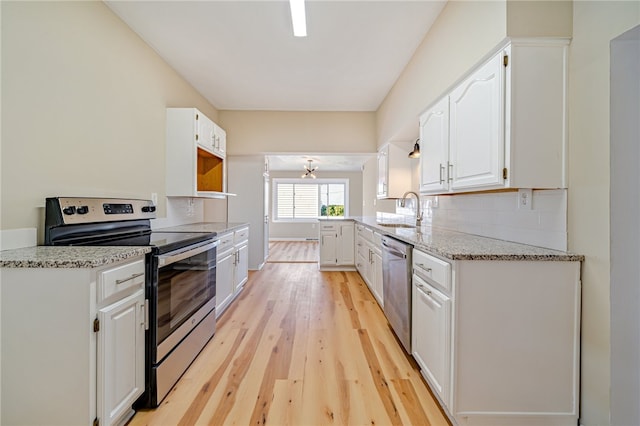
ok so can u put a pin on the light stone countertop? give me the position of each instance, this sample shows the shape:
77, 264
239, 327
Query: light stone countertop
92, 257
460, 246
67, 257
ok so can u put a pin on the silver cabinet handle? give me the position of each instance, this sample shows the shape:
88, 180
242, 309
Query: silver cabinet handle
441, 173
130, 278
450, 167
145, 314
424, 267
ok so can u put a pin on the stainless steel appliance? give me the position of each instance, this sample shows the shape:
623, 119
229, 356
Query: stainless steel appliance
396, 287
180, 278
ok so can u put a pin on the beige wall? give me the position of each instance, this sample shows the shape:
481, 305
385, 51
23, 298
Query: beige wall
464, 32
595, 24
310, 230
83, 108
255, 132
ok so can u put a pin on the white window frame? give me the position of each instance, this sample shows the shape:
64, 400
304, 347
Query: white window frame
276, 181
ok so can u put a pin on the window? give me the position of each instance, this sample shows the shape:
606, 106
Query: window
302, 200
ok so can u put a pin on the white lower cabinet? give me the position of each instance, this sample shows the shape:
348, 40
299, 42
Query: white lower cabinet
241, 272
232, 267
224, 272
337, 245
431, 346
120, 357
369, 260
498, 341
72, 344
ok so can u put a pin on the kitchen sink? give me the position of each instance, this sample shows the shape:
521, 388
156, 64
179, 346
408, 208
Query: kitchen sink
396, 225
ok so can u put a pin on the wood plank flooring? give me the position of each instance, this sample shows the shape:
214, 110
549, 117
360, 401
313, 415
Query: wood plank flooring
300, 347
293, 251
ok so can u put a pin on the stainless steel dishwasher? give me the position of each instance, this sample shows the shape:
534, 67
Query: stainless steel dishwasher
396, 290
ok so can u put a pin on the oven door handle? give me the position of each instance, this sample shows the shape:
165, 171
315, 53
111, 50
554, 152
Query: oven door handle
173, 257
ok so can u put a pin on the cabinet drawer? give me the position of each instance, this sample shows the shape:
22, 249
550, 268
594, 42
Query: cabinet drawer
225, 242
241, 235
114, 280
367, 234
328, 227
433, 269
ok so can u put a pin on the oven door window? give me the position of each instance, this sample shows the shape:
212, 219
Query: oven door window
183, 288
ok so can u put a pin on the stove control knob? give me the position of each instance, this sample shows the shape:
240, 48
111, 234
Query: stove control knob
149, 209
69, 210
82, 210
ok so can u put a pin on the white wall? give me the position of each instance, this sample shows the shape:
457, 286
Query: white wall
595, 24
83, 108
625, 228
497, 215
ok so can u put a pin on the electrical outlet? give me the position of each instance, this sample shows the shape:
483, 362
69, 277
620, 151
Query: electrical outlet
525, 199
154, 198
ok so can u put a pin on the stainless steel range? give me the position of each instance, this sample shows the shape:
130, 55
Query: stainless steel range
180, 278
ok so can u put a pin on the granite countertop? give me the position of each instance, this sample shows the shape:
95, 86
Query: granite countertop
215, 227
460, 246
92, 257
67, 257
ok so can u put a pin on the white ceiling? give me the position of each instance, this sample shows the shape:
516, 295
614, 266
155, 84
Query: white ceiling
241, 55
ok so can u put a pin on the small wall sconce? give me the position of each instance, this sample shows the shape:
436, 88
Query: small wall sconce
416, 150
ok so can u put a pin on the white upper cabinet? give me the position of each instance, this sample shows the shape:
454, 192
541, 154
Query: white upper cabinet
204, 131
195, 156
394, 170
475, 128
434, 147
219, 141
503, 126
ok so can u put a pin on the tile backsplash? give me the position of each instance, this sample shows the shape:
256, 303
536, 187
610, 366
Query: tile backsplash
497, 215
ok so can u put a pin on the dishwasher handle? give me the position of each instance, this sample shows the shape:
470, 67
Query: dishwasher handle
391, 250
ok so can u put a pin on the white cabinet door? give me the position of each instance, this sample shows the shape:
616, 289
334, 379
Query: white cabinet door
224, 281
242, 266
477, 128
205, 133
219, 140
376, 277
434, 148
382, 187
120, 356
328, 245
345, 247
394, 170
362, 258
431, 327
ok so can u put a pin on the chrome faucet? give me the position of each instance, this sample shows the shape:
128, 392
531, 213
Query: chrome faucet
418, 212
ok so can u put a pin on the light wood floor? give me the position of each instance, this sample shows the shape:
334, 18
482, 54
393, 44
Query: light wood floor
293, 251
300, 347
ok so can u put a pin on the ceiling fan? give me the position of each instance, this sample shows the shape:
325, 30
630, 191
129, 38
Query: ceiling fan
309, 170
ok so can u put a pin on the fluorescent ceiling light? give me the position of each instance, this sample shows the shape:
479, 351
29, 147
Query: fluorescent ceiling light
298, 18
